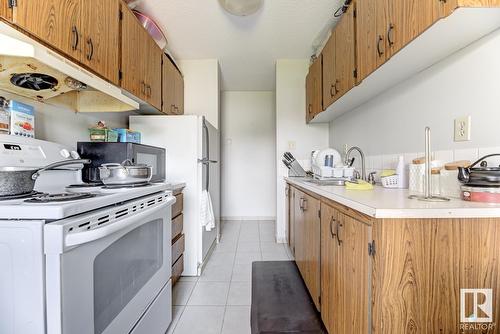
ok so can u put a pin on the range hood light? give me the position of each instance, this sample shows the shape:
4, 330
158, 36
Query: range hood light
11, 46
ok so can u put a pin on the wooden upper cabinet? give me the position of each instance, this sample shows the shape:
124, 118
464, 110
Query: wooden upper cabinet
368, 42
153, 73
5, 10
345, 64
55, 22
101, 32
133, 52
173, 88
330, 81
314, 89
141, 61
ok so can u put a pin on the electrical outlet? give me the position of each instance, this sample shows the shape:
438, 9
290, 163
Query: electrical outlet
462, 128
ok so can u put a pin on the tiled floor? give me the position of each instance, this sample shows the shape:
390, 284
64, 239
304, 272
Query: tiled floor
219, 301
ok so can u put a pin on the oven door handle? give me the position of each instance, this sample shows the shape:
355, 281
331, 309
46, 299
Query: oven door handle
80, 238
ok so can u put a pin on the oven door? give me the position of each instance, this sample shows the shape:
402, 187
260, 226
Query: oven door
103, 279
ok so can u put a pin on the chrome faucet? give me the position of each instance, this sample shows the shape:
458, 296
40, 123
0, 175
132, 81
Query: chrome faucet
347, 156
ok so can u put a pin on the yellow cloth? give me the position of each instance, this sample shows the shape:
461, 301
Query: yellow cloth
388, 172
361, 185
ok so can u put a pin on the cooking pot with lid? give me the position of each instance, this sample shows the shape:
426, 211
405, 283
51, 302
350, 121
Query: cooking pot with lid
482, 175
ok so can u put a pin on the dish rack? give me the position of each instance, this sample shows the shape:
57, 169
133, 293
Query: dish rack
392, 181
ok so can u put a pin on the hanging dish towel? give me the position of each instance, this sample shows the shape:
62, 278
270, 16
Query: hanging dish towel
207, 211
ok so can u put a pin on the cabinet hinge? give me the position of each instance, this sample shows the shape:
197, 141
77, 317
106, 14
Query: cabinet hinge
371, 248
120, 15
355, 73
120, 75
355, 13
319, 213
12, 3
319, 300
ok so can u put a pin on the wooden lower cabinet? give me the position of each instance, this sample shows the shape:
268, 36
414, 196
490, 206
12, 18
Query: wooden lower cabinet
394, 276
345, 264
307, 242
420, 266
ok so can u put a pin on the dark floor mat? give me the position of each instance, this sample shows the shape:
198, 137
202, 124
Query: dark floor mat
280, 300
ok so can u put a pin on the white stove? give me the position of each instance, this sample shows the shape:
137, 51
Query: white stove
96, 263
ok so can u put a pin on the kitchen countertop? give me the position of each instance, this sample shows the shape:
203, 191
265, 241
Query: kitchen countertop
394, 203
174, 185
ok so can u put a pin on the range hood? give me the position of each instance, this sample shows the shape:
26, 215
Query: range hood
29, 69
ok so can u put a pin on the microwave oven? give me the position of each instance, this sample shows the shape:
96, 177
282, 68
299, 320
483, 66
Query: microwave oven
102, 152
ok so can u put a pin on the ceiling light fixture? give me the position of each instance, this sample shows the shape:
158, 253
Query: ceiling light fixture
241, 7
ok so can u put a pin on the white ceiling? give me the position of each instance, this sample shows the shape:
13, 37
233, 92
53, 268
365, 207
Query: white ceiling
247, 47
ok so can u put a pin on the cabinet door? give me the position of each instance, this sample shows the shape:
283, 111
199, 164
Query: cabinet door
168, 86
406, 20
353, 237
291, 218
133, 55
330, 80
101, 32
56, 22
153, 72
5, 10
331, 311
309, 96
371, 50
317, 69
308, 245
179, 92
344, 54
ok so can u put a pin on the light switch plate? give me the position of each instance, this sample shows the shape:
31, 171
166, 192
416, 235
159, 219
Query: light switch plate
462, 128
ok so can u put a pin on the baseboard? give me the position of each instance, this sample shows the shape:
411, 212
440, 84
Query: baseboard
243, 218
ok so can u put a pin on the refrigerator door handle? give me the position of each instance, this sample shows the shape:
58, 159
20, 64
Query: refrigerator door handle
206, 161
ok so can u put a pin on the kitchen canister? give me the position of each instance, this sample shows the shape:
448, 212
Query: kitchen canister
417, 178
450, 186
435, 182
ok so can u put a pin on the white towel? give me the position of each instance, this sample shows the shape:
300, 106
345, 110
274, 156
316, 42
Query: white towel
207, 211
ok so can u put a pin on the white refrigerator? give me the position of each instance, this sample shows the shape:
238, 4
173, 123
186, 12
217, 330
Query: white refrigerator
193, 153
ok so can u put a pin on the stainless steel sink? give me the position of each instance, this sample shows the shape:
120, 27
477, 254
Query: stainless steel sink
330, 182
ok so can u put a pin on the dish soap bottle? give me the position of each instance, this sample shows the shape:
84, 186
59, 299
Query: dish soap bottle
4, 116
402, 173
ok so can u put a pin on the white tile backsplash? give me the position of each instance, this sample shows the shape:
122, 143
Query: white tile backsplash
377, 163
471, 154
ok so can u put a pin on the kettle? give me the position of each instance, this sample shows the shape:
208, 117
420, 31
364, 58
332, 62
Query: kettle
480, 176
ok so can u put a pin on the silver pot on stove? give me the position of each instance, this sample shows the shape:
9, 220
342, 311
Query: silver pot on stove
126, 173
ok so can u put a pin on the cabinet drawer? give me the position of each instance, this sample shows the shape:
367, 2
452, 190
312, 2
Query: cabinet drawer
177, 207
177, 225
177, 248
177, 269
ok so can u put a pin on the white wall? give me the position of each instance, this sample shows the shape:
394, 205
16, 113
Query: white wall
292, 133
466, 83
248, 151
61, 125
202, 88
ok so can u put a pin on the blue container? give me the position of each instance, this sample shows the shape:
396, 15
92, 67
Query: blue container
128, 136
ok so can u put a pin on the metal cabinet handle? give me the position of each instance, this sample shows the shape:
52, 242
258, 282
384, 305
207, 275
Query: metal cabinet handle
172, 108
91, 49
148, 91
301, 204
336, 89
304, 205
379, 48
331, 227
76, 38
332, 90
390, 34
309, 109
339, 240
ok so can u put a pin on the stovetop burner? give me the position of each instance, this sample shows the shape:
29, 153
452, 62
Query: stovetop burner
20, 196
127, 186
85, 185
63, 197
